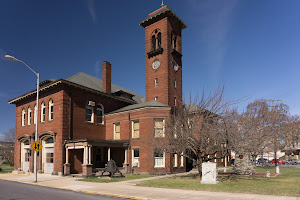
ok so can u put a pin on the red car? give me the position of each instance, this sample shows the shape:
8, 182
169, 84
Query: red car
278, 161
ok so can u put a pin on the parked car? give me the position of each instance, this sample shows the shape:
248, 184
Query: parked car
292, 162
262, 160
278, 161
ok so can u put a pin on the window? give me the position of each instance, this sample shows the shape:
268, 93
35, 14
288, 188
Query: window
34, 115
117, 131
159, 40
135, 129
156, 98
174, 160
135, 157
27, 155
23, 117
89, 114
49, 157
50, 110
29, 116
99, 113
153, 43
175, 101
174, 83
181, 159
159, 128
43, 112
156, 82
49, 140
26, 142
159, 158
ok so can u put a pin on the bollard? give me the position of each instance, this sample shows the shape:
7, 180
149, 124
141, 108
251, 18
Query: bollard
267, 173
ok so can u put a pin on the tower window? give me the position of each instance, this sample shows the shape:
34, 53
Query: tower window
159, 40
175, 100
156, 98
175, 83
156, 82
153, 43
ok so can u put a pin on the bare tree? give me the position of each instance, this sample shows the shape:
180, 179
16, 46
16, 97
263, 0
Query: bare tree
198, 129
7, 146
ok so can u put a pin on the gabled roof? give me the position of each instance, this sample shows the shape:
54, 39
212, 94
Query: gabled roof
86, 82
96, 84
141, 105
160, 13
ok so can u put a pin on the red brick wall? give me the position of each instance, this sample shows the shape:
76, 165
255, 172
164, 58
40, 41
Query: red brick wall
145, 141
165, 73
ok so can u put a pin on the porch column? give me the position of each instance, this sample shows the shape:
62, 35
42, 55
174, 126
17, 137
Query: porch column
108, 154
90, 154
67, 155
125, 156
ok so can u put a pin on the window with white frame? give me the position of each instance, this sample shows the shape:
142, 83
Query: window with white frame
159, 158
135, 157
89, 114
135, 129
117, 130
100, 114
175, 160
181, 159
43, 112
23, 117
29, 116
159, 128
50, 117
34, 114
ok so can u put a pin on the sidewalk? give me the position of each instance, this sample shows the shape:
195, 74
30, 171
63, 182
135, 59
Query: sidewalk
127, 189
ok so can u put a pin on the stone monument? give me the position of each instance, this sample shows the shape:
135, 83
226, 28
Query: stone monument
242, 164
209, 173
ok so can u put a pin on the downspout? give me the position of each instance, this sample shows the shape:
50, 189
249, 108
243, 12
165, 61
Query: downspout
129, 160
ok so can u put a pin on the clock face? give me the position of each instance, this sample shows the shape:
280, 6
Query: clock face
156, 64
175, 66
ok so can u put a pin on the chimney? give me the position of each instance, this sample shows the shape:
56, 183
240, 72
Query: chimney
106, 77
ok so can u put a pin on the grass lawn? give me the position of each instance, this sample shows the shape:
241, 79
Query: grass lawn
6, 168
105, 179
286, 184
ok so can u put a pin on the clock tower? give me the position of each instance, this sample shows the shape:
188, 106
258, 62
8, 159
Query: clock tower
163, 56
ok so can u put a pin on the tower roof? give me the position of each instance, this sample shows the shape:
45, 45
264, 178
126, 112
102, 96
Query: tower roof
159, 14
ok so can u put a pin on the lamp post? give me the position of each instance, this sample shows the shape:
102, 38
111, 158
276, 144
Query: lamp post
11, 58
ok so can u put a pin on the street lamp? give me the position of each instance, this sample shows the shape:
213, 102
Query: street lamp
11, 58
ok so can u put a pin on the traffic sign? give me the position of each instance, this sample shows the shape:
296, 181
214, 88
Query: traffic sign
36, 146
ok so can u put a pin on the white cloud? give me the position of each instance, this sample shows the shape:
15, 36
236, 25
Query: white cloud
215, 20
91, 7
98, 68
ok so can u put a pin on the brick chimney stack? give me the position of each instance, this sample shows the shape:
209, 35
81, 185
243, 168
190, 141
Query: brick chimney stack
106, 77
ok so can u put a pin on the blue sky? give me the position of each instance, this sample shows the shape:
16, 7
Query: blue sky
253, 46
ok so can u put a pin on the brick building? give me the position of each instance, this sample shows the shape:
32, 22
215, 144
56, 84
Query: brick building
85, 121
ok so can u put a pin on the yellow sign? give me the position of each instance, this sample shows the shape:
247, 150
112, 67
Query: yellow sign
36, 146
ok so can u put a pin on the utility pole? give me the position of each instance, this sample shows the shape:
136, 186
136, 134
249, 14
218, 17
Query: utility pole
275, 149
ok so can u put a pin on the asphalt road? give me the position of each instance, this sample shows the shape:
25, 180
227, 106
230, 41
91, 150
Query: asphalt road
20, 191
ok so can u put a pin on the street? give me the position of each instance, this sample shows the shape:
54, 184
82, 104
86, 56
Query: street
20, 191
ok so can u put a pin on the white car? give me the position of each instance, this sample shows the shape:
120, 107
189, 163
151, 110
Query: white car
292, 162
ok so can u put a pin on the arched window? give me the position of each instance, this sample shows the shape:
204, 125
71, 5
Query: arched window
29, 116
34, 114
23, 117
50, 110
100, 114
43, 112
156, 82
159, 40
89, 113
49, 140
153, 43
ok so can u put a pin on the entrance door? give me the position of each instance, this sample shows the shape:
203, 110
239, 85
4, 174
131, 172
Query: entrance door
25, 155
49, 160
76, 160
